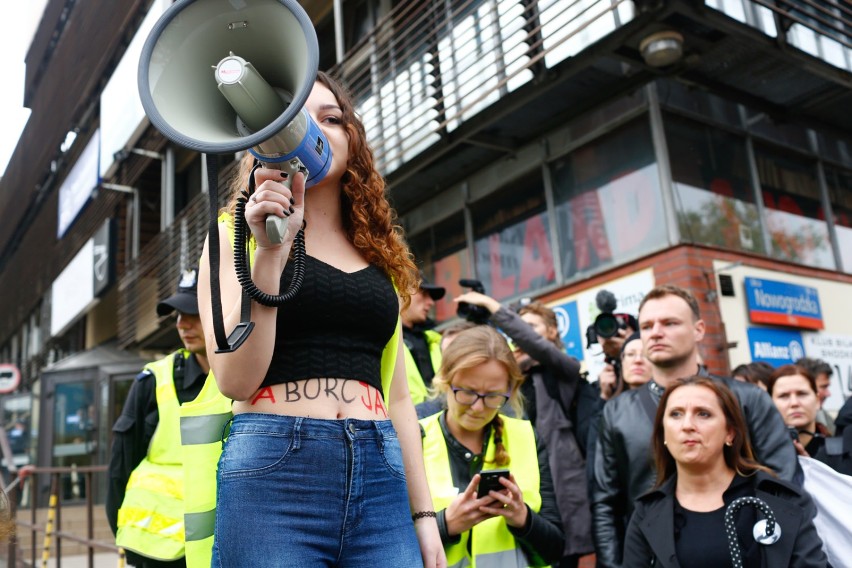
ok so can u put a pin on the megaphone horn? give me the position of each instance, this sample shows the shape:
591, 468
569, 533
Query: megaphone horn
264, 58
178, 88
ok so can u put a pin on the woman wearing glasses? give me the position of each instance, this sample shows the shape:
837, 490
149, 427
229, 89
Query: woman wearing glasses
519, 523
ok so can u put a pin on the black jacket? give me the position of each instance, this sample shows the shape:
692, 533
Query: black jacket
624, 469
650, 536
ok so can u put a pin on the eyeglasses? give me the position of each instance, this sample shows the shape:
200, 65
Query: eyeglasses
494, 401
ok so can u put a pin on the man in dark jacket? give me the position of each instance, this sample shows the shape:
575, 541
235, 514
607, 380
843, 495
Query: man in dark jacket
671, 328
140, 416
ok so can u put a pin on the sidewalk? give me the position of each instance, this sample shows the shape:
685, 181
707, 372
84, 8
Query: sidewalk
102, 560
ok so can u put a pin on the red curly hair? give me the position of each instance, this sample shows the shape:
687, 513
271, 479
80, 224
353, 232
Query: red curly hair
368, 219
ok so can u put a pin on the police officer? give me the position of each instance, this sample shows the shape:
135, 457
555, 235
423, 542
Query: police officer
145, 497
422, 344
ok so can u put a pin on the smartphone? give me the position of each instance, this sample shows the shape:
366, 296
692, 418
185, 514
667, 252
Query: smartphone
489, 480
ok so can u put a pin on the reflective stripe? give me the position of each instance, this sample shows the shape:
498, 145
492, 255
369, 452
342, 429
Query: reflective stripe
205, 429
161, 525
502, 559
199, 525
160, 485
463, 563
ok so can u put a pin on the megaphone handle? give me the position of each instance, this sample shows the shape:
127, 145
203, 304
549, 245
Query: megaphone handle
276, 227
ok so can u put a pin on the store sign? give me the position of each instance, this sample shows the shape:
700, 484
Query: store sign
568, 320
10, 378
782, 303
836, 350
76, 191
775, 346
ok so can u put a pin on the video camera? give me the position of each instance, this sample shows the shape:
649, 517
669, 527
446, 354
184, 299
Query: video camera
474, 314
608, 323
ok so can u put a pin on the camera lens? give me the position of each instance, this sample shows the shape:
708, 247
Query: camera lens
606, 325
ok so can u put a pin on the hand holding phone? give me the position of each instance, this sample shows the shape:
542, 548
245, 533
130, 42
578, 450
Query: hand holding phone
489, 480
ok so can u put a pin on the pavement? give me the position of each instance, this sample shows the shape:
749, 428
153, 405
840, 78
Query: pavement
102, 560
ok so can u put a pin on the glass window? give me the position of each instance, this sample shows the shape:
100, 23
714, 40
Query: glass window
839, 184
17, 420
513, 253
609, 205
836, 149
698, 101
778, 132
712, 190
794, 213
441, 253
74, 432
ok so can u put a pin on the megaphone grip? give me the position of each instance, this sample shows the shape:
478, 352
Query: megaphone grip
276, 227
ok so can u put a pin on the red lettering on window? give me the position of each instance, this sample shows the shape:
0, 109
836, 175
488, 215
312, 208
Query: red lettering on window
588, 231
632, 211
501, 286
537, 261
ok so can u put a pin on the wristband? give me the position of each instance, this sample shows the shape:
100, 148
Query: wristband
423, 515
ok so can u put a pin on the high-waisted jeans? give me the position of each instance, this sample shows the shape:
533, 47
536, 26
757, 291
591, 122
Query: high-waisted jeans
302, 492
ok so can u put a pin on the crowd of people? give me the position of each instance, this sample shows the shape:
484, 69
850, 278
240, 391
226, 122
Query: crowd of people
347, 430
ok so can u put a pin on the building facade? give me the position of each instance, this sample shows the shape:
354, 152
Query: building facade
548, 148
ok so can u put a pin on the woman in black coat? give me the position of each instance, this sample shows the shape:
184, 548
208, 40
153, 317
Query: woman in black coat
704, 462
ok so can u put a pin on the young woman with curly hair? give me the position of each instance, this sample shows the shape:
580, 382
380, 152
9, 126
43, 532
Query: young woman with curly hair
323, 463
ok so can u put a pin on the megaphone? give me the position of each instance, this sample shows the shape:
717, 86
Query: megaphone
220, 76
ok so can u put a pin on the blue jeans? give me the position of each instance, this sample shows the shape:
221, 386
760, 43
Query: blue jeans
302, 492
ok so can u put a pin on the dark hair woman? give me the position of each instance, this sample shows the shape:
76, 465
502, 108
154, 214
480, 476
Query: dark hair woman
704, 462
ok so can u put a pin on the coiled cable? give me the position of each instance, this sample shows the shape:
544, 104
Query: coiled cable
241, 263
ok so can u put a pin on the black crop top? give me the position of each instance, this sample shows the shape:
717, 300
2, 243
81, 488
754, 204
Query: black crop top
336, 326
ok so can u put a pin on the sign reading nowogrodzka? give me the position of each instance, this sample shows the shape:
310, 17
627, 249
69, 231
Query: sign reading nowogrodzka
775, 346
782, 303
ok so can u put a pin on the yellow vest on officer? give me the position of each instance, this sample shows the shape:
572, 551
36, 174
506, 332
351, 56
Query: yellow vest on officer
203, 426
150, 520
416, 385
488, 544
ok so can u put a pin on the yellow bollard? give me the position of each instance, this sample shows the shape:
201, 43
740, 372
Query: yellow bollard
48, 527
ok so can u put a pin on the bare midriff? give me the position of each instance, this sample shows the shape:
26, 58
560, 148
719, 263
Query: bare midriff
324, 398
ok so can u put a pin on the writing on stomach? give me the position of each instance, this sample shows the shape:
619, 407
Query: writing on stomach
325, 397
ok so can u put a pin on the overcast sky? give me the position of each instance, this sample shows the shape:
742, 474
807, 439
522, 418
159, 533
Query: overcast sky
20, 18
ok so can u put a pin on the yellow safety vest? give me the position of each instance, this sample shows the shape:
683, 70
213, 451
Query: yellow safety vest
490, 542
416, 385
150, 520
203, 424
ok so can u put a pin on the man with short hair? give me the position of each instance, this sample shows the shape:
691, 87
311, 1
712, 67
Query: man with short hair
671, 329
144, 502
422, 345
821, 372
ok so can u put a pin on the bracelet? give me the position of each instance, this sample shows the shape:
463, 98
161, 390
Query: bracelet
423, 515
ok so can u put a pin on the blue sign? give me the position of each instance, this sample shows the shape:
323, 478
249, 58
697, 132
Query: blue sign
775, 346
568, 320
782, 303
